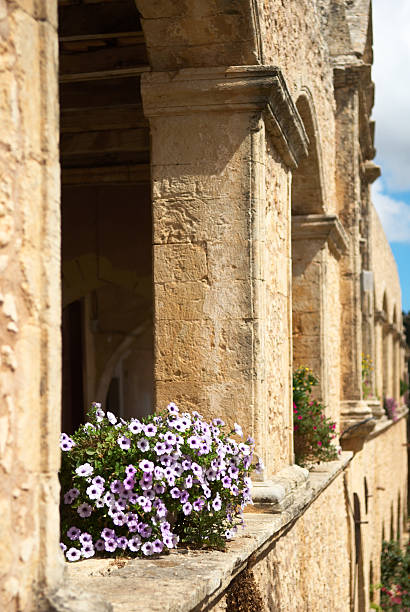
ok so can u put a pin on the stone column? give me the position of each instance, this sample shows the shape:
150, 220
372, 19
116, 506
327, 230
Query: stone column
208, 152
355, 414
310, 236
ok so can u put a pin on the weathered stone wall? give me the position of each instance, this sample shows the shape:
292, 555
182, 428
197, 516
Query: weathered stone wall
30, 301
389, 366
380, 457
301, 573
278, 305
294, 40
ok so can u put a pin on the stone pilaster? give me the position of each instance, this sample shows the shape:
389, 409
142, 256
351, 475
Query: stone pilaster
208, 131
310, 235
353, 142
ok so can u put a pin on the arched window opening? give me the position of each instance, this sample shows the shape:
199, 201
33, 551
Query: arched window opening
105, 211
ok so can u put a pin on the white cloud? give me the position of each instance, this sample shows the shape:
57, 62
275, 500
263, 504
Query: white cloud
391, 73
394, 214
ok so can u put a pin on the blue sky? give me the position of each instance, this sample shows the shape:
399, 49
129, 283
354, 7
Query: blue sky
391, 74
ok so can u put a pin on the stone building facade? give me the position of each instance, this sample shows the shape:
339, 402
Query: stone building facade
200, 170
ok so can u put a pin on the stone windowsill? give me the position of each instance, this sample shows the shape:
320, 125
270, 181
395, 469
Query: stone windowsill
383, 424
186, 580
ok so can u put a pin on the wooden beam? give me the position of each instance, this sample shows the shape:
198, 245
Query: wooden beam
109, 92
103, 74
103, 59
114, 175
102, 118
138, 35
105, 141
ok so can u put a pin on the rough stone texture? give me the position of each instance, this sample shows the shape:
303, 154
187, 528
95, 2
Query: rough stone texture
30, 309
258, 116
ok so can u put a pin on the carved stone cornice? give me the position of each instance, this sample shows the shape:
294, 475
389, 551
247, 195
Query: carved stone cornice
380, 316
357, 421
370, 172
231, 89
321, 227
351, 75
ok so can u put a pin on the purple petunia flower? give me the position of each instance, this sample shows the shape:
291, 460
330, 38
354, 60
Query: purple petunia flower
168, 540
160, 448
217, 503
73, 554
112, 418
172, 408
66, 443
189, 481
238, 430
84, 470
63, 546
116, 486
130, 470
110, 545
99, 481
175, 493
198, 504
144, 530
134, 543
157, 546
170, 438
196, 469
143, 444
184, 497
194, 442
124, 442
73, 533
146, 466
133, 498
226, 482
100, 545
187, 508
147, 548
150, 430
122, 542
159, 488
94, 491
107, 533
84, 510
129, 483
85, 538
135, 426
186, 464
87, 551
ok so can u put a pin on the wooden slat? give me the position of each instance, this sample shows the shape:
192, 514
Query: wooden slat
105, 141
110, 92
107, 36
103, 74
104, 59
103, 118
137, 173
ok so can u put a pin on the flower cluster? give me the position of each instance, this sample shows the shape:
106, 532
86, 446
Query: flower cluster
313, 432
142, 486
390, 408
395, 578
367, 368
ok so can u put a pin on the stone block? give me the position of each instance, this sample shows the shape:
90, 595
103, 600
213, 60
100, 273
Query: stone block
180, 262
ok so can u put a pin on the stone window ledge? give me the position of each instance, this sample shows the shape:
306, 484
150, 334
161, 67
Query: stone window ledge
188, 580
385, 423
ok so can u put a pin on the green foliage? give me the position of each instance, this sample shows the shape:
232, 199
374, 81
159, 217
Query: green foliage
313, 432
403, 387
395, 577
